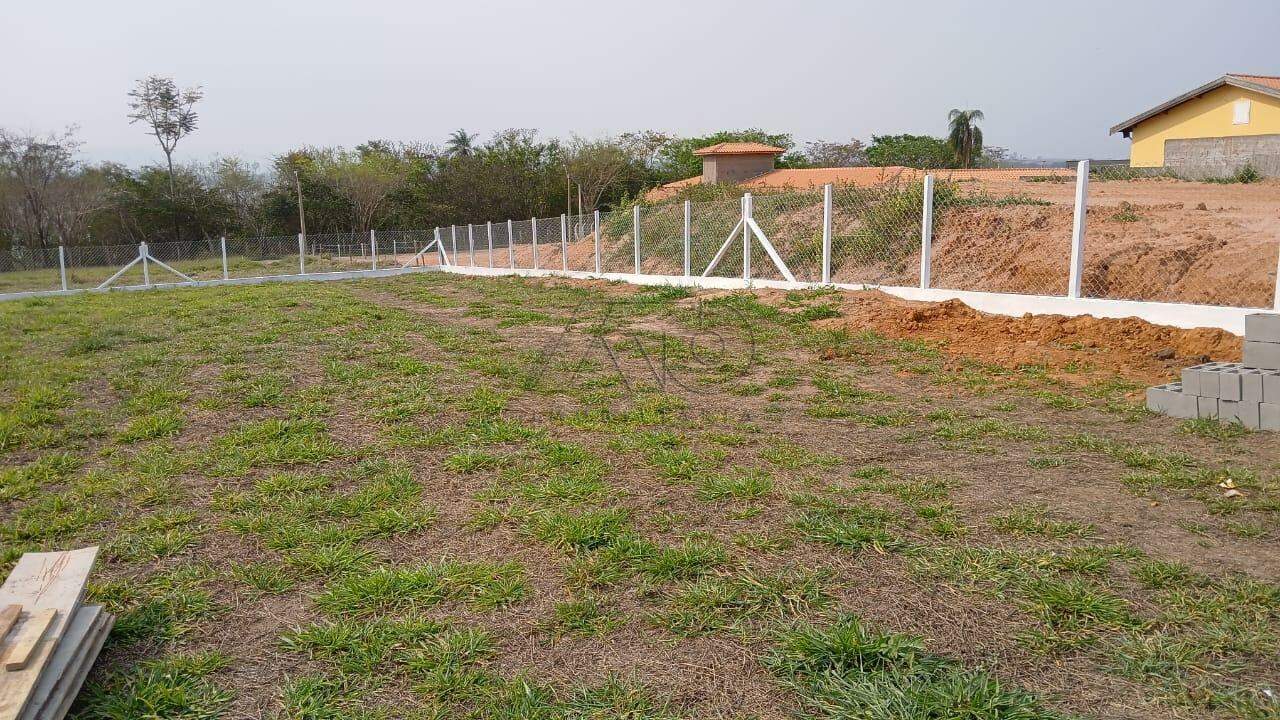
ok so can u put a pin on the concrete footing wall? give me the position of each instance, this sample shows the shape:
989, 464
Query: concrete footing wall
1222, 156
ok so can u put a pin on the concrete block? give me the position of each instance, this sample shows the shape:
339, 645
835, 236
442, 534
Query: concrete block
1262, 327
1209, 382
1207, 407
1251, 385
1247, 414
1191, 380
1170, 400
1228, 411
1229, 384
1271, 387
1269, 416
1265, 355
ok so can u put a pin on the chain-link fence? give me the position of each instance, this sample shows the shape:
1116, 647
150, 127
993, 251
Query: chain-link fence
1153, 235
1149, 234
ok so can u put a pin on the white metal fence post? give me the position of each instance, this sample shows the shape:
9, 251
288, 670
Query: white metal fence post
826, 233
441, 258
595, 217
146, 268
688, 234
453, 241
62, 266
471, 247
373, 247
302, 254
926, 234
635, 231
534, 222
488, 234
746, 237
223, 242
564, 242
511, 245
1077, 229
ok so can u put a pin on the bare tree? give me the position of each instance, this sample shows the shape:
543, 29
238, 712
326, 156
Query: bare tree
597, 165
170, 115
367, 180
37, 174
241, 186
823, 153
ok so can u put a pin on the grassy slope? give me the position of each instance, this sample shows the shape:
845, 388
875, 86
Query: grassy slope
424, 496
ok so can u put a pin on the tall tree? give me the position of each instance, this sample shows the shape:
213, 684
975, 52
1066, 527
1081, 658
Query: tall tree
596, 166
45, 195
169, 114
965, 137
460, 144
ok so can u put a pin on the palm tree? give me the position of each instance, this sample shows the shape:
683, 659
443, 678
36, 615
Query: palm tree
460, 144
965, 137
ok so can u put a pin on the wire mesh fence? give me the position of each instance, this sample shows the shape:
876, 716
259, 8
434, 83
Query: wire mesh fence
996, 236
25, 269
1152, 234
1149, 235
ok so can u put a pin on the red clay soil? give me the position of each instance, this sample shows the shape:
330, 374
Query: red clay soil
1133, 349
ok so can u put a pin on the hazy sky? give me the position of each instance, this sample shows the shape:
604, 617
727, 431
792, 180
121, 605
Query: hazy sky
1052, 77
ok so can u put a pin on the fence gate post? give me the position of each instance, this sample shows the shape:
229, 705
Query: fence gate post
635, 231
511, 245
1077, 229
146, 268
302, 254
222, 241
564, 242
826, 233
373, 247
926, 234
688, 234
595, 216
62, 266
746, 238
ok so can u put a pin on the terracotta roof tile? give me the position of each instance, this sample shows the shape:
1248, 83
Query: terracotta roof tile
1271, 81
739, 148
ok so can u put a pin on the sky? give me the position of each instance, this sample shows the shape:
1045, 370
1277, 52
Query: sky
1051, 77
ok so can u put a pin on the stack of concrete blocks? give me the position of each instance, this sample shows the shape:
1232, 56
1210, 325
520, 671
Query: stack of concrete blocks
1247, 392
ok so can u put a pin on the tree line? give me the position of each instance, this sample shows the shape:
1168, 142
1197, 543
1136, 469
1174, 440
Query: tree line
50, 196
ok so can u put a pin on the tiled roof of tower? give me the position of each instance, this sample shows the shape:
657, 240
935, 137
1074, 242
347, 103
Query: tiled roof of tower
739, 148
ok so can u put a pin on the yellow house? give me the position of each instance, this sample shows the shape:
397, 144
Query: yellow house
1211, 130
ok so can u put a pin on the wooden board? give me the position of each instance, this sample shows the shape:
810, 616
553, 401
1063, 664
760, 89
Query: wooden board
75, 680
75, 641
27, 637
42, 581
8, 616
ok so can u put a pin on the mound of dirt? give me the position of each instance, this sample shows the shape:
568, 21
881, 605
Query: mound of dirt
1075, 349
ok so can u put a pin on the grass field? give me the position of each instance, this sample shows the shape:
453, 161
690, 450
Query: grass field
435, 496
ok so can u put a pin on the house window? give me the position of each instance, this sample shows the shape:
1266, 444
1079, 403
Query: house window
1241, 113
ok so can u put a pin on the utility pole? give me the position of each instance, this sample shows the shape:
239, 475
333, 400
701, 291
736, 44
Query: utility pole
302, 218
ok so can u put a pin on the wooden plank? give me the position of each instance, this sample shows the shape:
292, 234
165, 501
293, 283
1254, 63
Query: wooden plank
42, 581
76, 680
29, 635
8, 616
74, 643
